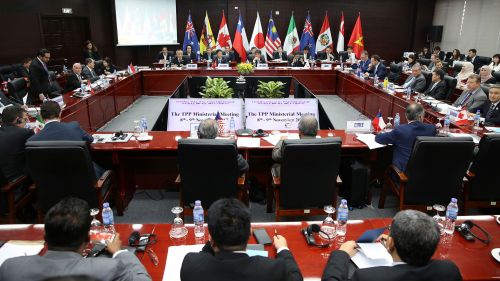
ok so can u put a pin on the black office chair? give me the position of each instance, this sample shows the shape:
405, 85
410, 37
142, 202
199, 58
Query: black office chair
484, 60
64, 168
395, 72
6, 73
434, 173
17, 90
486, 89
308, 177
451, 84
428, 78
343, 55
15, 200
457, 68
482, 188
208, 172
424, 61
99, 67
186, 58
448, 55
496, 74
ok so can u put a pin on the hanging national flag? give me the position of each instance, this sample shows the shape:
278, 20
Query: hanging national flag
207, 37
240, 40
131, 68
223, 38
191, 39
324, 37
90, 86
356, 40
291, 43
378, 122
258, 40
307, 38
340, 42
220, 123
273, 40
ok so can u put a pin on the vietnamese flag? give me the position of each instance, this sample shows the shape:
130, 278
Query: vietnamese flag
356, 40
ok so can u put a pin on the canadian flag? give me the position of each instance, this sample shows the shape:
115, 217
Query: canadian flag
378, 122
223, 38
258, 41
340, 42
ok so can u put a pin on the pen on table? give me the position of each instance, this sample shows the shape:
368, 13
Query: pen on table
275, 232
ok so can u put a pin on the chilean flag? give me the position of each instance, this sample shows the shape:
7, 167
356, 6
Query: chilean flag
378, 122
240, 40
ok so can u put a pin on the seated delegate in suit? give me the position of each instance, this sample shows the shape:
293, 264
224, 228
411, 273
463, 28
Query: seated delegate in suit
308, 129
179, 60
88, 71
416, 81
411, 60
377, 68
163, 55
432, 64
208, 129
297, 60
351, 56
223, 258
439, 54
74, 80
219, 58
455, 56
495, 63
24, 70
472, 58
90, 51
327, 55
437, 88
491, 108
363, 62
67, 226
226, 52
39, 77
280, 55
412, 240
306, 55
107, 67
402, 137
208, 55
425, 54
473, 96
486, 77
258, 58
190, 54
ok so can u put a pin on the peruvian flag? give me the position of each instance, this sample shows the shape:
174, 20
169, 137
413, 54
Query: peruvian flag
241, 40
258, 41
356, 40
378, 122
340, 42
223, 38
291, 44
325, 36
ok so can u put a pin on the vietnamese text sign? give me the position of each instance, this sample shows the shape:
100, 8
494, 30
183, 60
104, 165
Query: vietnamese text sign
278, 114
183, 112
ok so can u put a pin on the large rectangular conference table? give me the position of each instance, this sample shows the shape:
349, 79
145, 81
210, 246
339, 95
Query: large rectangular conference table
154, 164
473, 258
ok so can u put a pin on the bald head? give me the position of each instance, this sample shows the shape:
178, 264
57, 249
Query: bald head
208, 129
308, 126
77, 68
415, 112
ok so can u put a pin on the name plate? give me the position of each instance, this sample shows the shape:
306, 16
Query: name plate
361, 126
223, 66
326, 66
262, 66
191, 66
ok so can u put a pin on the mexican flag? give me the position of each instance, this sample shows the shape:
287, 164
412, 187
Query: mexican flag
292, 42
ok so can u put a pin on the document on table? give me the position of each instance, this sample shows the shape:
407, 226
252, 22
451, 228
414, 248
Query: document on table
372, 254
274, 139
475, 138
248, 142
493, 129
369, 139
18, 248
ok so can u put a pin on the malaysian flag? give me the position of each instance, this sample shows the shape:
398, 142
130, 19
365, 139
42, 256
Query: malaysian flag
272, 39
220, 123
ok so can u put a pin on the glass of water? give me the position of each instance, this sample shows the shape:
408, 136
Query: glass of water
137, 129
328, 225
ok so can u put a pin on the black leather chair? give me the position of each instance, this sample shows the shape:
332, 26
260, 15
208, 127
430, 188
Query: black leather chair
457, 68
64, 168
6, 73
428, 78
483, 187
15, 202
434, 173
451, 84
448, 55
308, 177
395, 72
424, 61
208, 172
484, 60
343, 55
186, 58
17, 89
496, 74
486, 89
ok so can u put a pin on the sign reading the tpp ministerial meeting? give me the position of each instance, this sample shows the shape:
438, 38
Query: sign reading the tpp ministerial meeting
278, 114
184, 112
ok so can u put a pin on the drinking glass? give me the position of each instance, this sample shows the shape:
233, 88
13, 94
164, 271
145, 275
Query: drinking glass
328, 225
137, 129
95, 226
437, 217
178, 230
288, 125
388, 127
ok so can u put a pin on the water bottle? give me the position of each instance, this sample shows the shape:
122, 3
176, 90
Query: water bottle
375, 80
451, 217
107, 218
447, 121
232, 127
341, 64
397, 120
199, 220
144, 124
408, 93
358, 71
342, 216
208, 63
477, 120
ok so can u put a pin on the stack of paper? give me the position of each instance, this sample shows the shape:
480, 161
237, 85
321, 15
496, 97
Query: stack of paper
372, 254
248, 142
369, 140
16, 248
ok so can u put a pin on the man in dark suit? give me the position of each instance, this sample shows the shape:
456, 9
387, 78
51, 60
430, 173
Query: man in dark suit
416, 81
190, 54
280, 55
437, 88
163, 55
377, 68
363, 63
297, 60
491, 109
224, 257
179, 59
24, 70
88, 71
439, 54
327, 55
67, 226
472, 57
473, 97
74, 79
39, 77
208, 55
425, 54
403, 136
228, 54
258, 58
412, 240
219, 58
306, 55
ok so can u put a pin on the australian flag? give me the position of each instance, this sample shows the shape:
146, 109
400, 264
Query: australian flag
307, 38
190, 38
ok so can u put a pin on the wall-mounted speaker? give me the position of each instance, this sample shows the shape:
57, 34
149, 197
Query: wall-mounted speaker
435, 33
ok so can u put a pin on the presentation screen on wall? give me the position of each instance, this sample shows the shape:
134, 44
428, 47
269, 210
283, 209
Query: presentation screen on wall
146, 22
278, 114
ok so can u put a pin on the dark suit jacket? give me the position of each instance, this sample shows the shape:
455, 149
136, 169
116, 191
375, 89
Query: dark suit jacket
23, 72
441, 55
438, 92
323, 56
298, 63
222, 60
229, 56
72, 82
255, 62
92, 55
492, 80
206, 56
4, 100
418, 84
12, 142
402, 139
362, 64
89, 74
477, 63
230, 266
161, 57
436, 270
39, 79
192, 56
55, 131
494, 119
425, 55
381, 71
283, 56
175, 61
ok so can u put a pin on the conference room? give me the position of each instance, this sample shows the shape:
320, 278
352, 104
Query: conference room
337, 127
